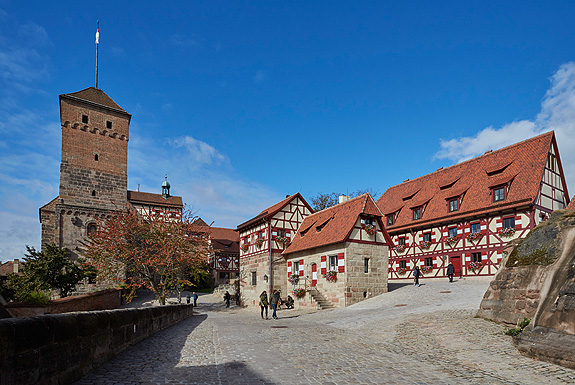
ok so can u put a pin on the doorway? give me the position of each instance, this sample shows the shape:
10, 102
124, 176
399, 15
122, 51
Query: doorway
456, 261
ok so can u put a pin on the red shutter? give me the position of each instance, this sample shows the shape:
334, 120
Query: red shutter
289, 265
323, 264
340, 263
301, 267
274, 230
483, 224
517, 225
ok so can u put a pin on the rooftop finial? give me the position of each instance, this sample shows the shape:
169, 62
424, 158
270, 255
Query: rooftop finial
166, 188
97, 43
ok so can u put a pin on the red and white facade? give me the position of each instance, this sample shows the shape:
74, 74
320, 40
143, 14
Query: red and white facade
350, 241
262, 239
467, 213
224, 259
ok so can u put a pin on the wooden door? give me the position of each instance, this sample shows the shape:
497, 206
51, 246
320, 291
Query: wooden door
456, 261
313, 275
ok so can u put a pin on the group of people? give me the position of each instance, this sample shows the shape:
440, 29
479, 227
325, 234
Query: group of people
228, 298
417, 274
275, 301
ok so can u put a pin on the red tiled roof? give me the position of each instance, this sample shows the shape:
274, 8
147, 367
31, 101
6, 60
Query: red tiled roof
136, 197
571, 205
223, 239
95, 95
7, 268
522, 163
271, 211
337, 222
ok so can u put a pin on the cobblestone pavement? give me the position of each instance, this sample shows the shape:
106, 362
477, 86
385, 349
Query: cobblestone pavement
411, 335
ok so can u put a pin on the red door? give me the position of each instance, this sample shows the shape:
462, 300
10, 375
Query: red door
456, 261
313, 275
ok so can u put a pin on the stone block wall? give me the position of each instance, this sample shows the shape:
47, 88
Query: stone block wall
361, 285
61, 348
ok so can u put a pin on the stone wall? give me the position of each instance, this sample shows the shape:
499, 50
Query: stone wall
101, 300
61, 348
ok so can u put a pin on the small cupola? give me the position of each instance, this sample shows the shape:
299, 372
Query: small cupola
166, 188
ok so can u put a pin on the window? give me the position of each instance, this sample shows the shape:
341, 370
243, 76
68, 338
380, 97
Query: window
85, 119
295, 268
551, 162
93, 193
260, 234
427, 237
429, 262
403, 264
509, 223
109, 125
401, 240
366, 265
499, 194
96, 157
368, 221
91, 229
417, 213
452, 231
254, 278
453, 205
281, 233
476, 227
475, 257
390, 220
333, 262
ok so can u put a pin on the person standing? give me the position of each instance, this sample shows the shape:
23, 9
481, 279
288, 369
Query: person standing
227, 298
195, 296
416, 275
450, 271
274, 299
264, 303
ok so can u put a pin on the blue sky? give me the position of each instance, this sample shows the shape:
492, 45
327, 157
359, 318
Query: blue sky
241, 103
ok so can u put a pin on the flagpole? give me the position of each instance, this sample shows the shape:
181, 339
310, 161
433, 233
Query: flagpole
97, 43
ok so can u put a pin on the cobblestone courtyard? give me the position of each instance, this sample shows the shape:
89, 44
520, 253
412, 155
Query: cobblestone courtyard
411, 335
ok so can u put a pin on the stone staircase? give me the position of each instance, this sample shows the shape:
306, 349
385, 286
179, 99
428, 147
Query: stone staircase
322, 302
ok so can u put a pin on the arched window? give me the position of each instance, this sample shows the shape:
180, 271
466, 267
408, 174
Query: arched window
91, 229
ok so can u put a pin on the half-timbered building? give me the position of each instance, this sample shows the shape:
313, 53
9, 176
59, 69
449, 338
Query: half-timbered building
465, 214
339, 256
224, 259
262, 240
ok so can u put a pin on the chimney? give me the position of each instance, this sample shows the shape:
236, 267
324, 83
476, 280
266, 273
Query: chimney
343, 198
16, 266
287, 196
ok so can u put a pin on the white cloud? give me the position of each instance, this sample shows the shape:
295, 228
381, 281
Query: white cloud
557, 113
199, 152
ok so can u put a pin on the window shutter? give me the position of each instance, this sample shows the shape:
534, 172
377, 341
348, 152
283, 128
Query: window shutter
274, 233
301, 267
483, 255
340, 263
518, 222
483, 225
289, 268
499, 223
323, 265
288, 235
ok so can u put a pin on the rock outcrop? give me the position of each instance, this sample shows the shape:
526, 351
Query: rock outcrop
537, 281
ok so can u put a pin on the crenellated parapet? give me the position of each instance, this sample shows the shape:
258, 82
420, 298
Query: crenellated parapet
94, 130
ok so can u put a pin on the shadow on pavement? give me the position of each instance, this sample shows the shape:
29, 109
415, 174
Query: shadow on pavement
395, 286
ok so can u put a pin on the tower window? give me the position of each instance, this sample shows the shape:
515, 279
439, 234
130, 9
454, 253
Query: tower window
96, 157
108, 125
85, 119
93, 193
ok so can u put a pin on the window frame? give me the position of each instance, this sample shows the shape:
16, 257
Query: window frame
452, 203
427, 237
401, 241
366, 265
403, 264
476, 257
254, 278
508, 219
417, 213
333, 265
499, 197
390, 219
428, 262
452, 231
474, 224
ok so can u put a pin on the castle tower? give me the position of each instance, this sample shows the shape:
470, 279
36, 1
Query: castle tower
93, 170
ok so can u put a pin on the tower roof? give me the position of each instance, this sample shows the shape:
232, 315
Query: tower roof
96, 96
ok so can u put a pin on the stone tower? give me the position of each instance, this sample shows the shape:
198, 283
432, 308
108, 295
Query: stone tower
93, 170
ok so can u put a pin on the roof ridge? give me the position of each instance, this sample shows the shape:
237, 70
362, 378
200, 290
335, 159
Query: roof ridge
336, 205
487, 153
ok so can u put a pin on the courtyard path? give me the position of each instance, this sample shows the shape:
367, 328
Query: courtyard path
411, 335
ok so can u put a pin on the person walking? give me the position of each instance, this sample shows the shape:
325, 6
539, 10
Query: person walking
195, 297
274, 299
450, 271
264, 303
237, 298
227, 298
416, 275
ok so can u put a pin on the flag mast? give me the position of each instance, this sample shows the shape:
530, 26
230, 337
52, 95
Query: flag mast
97, 43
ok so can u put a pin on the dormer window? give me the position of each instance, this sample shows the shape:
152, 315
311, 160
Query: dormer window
368, 221
390, 220
453, 205
499, 194
417, 213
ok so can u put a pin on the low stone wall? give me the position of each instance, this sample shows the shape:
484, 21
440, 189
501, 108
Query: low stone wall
61, 348
548, 345
101, 300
